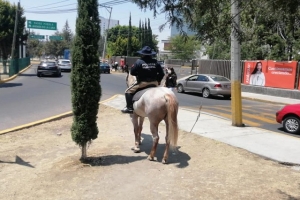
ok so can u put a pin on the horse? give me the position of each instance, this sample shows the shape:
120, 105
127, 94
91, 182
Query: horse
157, 104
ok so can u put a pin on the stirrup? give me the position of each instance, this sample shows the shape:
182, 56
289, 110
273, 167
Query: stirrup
126, 110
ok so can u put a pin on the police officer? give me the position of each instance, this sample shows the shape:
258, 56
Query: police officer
147, 71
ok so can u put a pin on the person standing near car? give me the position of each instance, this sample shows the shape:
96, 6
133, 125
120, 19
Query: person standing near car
147, 71
171, 79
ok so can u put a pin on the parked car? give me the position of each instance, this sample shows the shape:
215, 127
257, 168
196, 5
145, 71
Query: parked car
104, 68
289, 116
207, 84
65, 65
48, 68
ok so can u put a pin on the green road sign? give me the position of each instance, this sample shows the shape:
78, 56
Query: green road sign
55, 37
38, 37
41, 25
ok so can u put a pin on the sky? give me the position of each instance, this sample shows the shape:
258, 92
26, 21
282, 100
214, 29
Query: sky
119, 12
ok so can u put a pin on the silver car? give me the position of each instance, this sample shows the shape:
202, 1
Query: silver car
207, 84
65, 65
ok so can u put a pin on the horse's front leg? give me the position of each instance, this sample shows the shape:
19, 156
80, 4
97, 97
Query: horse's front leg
135, 122
154, 131
141, 121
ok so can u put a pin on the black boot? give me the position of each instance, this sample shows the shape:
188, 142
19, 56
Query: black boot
129, 104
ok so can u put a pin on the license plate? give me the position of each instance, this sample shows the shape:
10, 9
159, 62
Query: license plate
226, 86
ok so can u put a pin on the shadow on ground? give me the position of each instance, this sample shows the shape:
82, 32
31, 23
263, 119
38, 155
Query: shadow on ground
18, 161
175, 156
7, 85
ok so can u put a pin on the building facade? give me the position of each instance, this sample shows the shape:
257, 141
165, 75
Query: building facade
105, 22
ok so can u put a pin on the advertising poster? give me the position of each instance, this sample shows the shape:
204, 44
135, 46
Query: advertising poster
270, 73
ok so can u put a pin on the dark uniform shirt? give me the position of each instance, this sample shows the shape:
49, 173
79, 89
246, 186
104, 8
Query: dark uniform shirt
147, 69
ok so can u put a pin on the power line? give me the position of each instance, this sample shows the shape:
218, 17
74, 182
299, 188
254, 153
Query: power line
105, 4
49, 4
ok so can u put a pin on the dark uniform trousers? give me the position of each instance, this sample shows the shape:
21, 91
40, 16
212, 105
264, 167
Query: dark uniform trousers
130, 92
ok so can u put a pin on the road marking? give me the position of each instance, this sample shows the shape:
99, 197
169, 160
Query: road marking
251, 116
248, 122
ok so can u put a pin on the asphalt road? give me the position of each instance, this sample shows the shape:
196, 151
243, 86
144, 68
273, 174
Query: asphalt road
29, 98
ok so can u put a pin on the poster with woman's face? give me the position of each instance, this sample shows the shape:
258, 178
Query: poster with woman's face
270, 73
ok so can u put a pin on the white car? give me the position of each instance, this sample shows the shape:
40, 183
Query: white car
65, 64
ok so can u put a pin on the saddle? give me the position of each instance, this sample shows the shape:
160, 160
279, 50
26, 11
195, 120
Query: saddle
137, 95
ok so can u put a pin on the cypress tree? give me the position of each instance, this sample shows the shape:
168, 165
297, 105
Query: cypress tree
150, 35
129, 41
146, 39
85, 75
140, 34
143, 35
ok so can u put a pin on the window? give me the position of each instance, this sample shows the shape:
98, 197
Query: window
202, 78
219, 78
193, 78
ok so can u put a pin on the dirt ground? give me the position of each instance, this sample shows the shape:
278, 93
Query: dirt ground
42, 162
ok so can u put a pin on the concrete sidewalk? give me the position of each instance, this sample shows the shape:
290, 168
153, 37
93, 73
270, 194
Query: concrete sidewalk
279, 147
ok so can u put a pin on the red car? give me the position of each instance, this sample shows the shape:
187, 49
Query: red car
289, 116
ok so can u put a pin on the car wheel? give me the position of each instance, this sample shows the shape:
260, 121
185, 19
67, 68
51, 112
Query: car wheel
205, 93
227, 96
180, 88
38, 75
291, 124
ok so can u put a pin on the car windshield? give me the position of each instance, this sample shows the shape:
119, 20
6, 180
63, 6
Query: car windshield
48, 63
65, 62
104, 65
219, 78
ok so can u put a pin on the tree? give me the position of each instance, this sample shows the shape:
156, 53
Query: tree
35, 48
67, 33
119, 34
183, 48
150, 36
140, 34
7, 18
85, 75
260, 27
56, 47
129, 42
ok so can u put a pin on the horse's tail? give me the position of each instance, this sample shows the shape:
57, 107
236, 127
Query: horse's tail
172, 110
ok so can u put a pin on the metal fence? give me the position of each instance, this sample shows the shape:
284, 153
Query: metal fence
14, 66
222, 67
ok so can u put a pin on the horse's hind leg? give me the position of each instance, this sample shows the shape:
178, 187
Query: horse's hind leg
166, 153
154, 131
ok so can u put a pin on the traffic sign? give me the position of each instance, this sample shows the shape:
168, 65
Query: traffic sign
55, 37
38, 37
41, 25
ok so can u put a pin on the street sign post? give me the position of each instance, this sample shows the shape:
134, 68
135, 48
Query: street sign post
55, 37
37, 37
41, 25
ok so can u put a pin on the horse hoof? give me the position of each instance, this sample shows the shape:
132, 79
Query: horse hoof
150, 158
164, 161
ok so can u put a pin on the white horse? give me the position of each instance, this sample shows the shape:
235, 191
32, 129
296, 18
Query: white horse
157, 103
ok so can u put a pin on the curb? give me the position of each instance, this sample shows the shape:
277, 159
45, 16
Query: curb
53, 118
262, 100
16, 75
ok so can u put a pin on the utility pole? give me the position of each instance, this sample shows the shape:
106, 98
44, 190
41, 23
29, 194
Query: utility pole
105, 39
14, 40
236, 97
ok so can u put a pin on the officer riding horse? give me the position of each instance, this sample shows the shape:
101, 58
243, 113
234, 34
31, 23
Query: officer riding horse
156, 103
